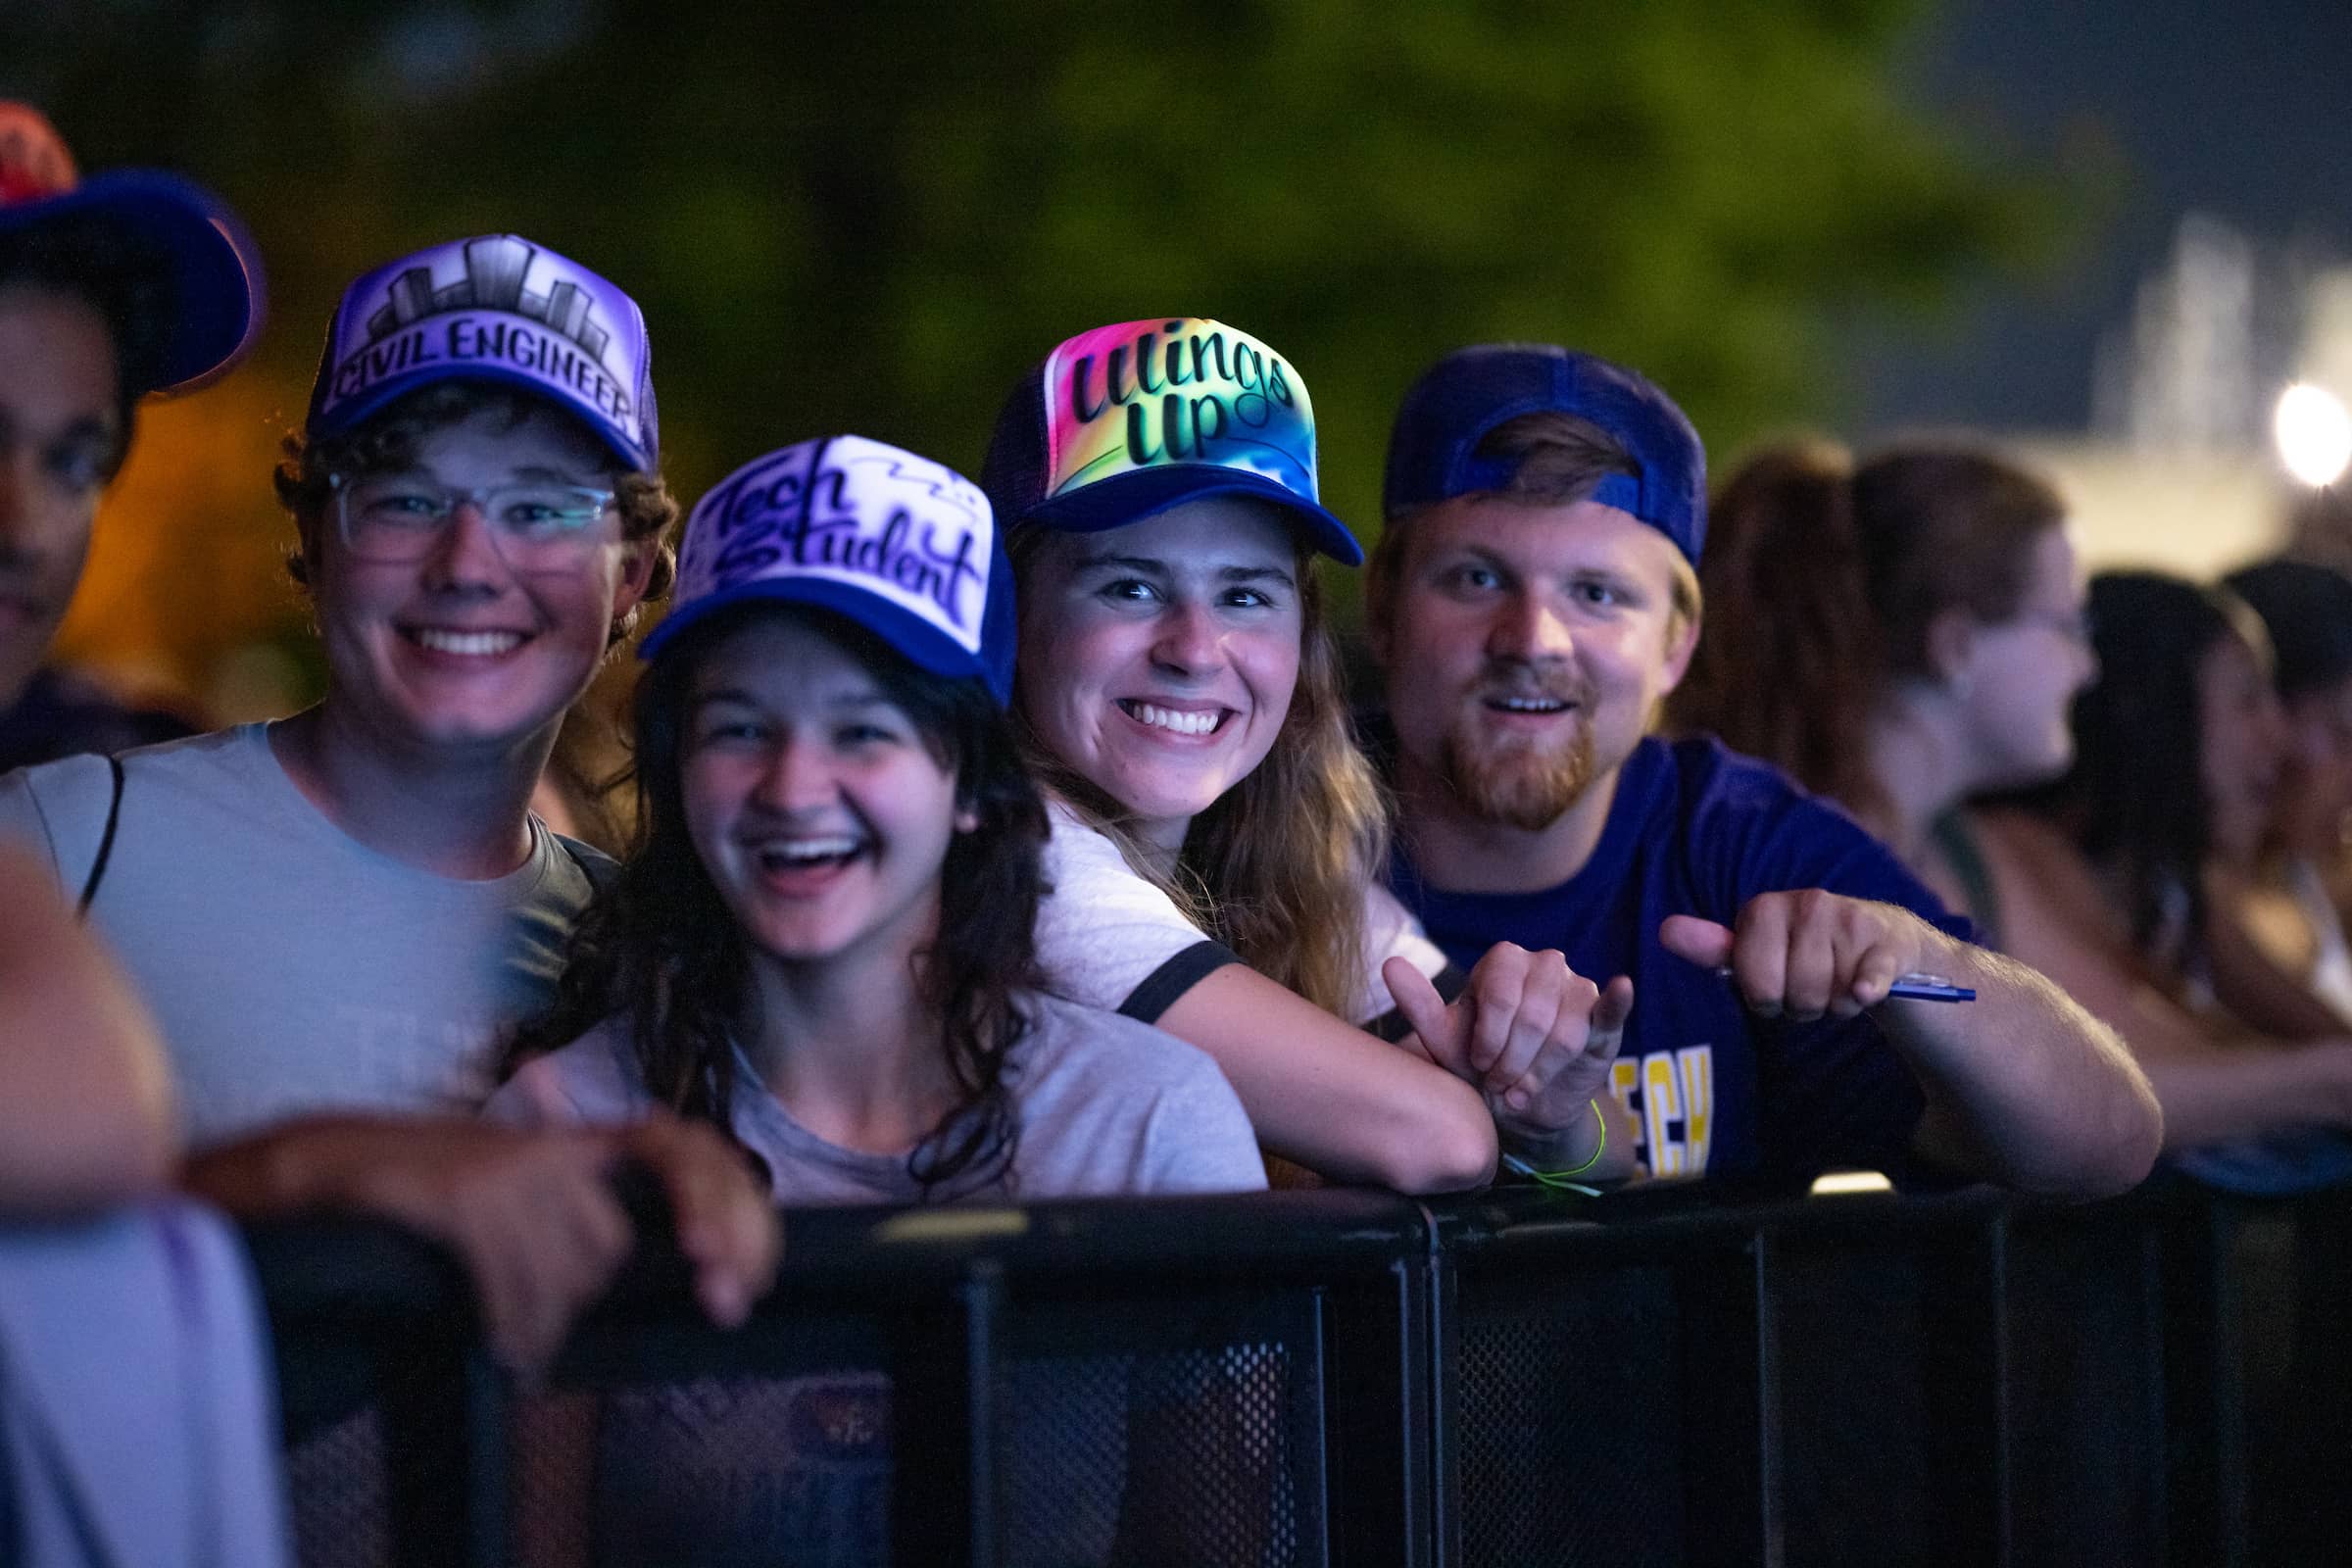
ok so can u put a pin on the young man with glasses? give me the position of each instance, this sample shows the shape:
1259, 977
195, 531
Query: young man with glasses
337, 917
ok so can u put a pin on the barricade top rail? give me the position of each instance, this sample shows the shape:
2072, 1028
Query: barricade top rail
330, 1271
339, 1272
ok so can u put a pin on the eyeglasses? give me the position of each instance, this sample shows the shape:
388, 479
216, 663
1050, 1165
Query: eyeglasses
2072, 624
398, 518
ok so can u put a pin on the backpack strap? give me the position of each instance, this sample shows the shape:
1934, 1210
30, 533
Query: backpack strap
106, 843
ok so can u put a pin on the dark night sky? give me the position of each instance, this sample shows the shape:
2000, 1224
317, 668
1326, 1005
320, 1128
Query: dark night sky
2243, 111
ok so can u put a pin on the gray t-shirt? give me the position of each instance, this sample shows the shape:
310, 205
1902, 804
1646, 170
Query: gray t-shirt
293, 969
1107, 1106
796, 1470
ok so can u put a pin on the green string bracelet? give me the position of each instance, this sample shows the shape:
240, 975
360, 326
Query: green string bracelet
1562, 1181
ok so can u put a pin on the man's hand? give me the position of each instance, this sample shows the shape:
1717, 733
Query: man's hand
531, 1214
1809, 953
1534, 1034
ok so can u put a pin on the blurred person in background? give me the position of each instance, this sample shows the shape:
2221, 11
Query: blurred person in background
1216, 836
2276, 928
136, 1416
1897, 635
337, 917
112, 288
1533, 602
2103, 876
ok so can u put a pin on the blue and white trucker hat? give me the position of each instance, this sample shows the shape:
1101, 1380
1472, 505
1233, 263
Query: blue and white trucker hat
496, 308
904, 546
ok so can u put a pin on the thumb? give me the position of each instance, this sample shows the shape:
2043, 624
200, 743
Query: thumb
1703, 942
1418, 999
1615, 1007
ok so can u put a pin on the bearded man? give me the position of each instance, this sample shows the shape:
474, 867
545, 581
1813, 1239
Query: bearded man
1532, 600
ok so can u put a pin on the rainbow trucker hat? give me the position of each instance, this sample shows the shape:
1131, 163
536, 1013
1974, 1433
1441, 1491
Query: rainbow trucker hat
496, 308
175, 234
904, 546
1132, 418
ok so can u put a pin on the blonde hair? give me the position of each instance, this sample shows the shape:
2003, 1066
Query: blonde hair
1277, 867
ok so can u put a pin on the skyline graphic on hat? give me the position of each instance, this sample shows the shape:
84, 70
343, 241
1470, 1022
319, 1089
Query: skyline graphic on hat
904, 546
493, 308
1129, 419
180, 234
1459, 401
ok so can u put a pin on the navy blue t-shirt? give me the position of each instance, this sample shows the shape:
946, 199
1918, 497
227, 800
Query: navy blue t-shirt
1699, 829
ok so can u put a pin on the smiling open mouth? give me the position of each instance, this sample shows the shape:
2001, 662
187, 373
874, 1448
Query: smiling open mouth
465, 644
1154, 717
810, 854
1528, 704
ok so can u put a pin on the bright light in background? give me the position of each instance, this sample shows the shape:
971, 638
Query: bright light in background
2314, 433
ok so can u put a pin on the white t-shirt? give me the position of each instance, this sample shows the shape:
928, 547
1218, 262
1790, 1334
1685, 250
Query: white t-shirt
1108, 1107
1111, 939
292, 968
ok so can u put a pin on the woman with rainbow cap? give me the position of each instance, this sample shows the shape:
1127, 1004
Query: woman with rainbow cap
1217, 838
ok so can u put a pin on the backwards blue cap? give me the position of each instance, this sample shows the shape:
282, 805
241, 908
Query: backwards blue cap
1459, 401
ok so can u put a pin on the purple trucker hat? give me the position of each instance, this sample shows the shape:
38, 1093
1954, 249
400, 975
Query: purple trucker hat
1129, 419
496, 308
1457, 402
903, 546
177, 233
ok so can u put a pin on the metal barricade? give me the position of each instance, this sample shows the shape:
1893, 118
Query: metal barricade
1505, 1379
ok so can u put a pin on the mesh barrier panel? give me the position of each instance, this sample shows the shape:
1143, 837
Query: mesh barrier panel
1194, 1457
337, 1492
1855, 1467
2075, 1357
1206, 1454
1569, 1402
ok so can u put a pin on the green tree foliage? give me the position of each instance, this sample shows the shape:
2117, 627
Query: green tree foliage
873, 215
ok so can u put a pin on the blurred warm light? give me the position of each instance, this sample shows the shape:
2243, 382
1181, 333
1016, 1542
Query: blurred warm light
1850, 1183
2314, 433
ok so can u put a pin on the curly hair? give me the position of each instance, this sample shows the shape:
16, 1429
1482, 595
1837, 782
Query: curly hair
119, 276
660, 949
1822, 579
1276, 868
387, 442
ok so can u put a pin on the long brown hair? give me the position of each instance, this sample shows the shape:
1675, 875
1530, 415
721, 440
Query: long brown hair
1277, 869
659, 947
1822, 579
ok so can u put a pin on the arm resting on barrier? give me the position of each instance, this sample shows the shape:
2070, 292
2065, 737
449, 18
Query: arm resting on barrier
2024, 1088
86, 1102
1340, 1102
2214, 1081
2247, 980
533, 1215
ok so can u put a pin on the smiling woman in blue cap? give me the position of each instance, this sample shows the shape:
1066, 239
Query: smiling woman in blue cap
127, 284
